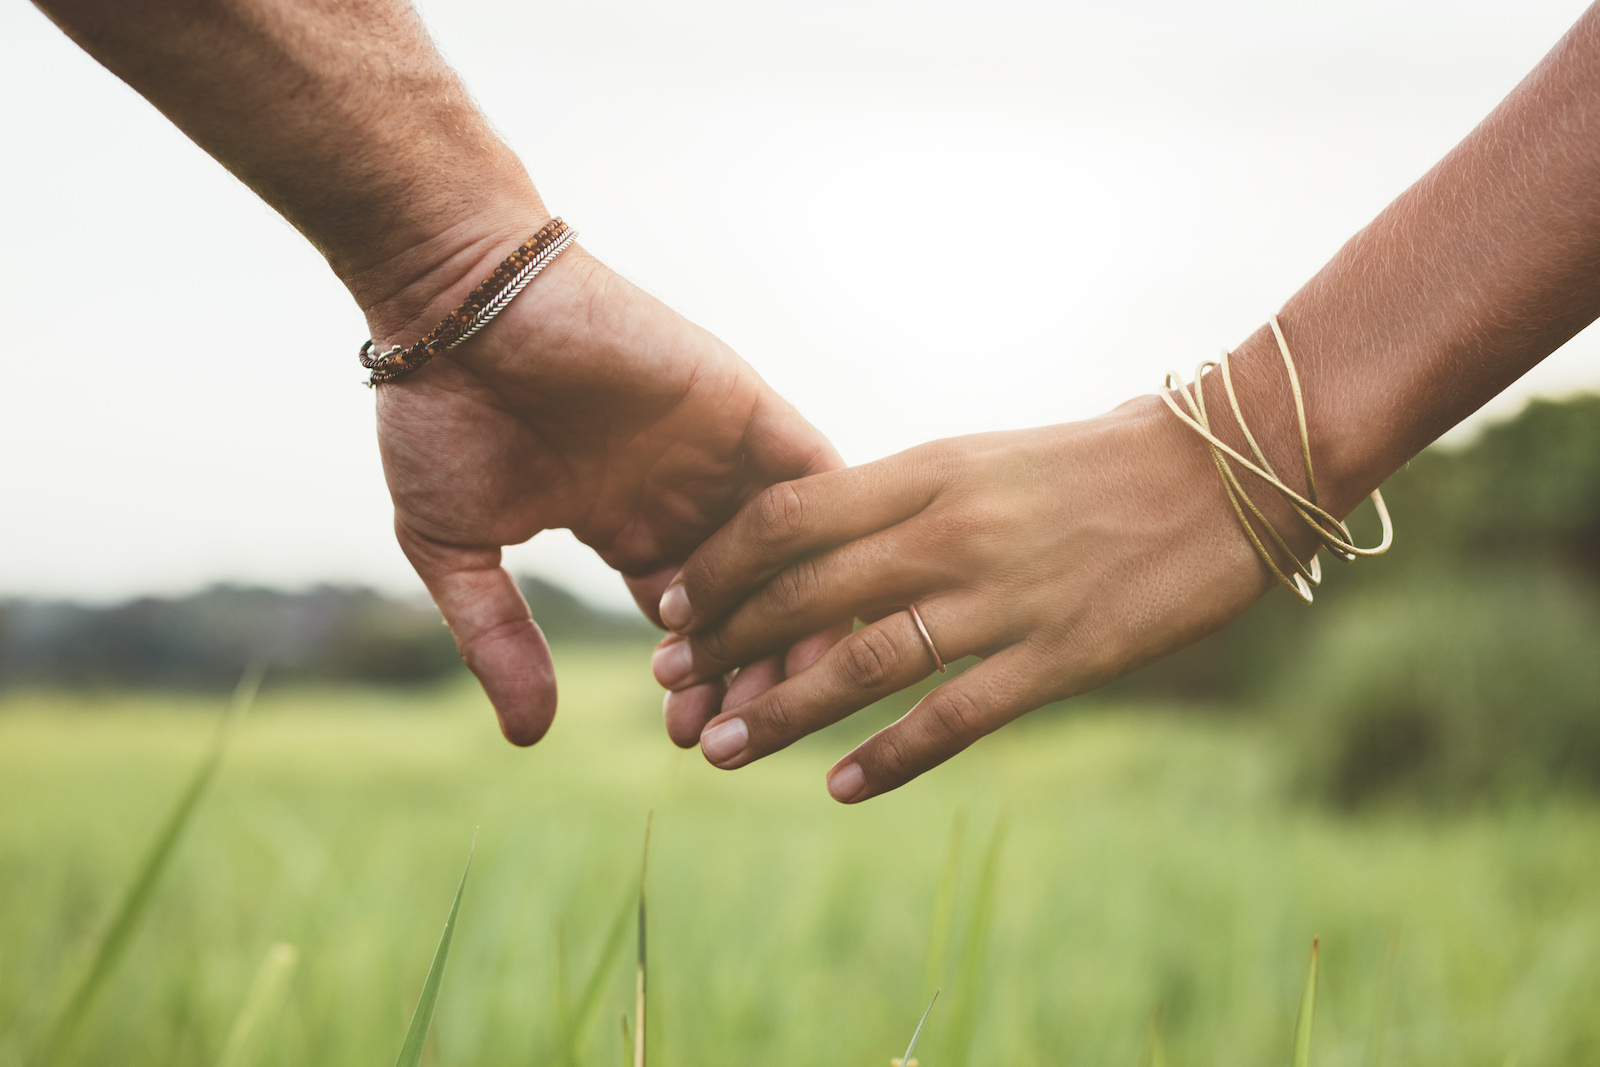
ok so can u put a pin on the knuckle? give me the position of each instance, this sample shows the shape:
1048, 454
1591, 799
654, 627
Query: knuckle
946, 464
471, 645
891, 759
954, 715
939, 459
711, 581
777, 718
713, 646
795, 587
779, 513
1096, 658
868, 658
969, 526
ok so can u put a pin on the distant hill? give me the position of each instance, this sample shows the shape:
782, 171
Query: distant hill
328, 633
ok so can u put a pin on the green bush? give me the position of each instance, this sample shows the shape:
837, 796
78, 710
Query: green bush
1478, 684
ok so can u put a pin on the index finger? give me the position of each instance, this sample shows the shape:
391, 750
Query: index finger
785, 522
494, 631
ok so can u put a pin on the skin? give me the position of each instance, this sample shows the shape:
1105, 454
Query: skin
1068, 555
586, 405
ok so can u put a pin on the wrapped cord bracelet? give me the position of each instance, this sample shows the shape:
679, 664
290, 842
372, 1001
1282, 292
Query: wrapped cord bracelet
475, 312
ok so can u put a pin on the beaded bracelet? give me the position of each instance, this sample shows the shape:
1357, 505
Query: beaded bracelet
474, 313
1330, 531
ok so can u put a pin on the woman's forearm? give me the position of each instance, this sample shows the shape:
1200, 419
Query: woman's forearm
341, 116
1482, 268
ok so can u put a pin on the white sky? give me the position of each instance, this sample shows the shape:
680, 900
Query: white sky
1152, 181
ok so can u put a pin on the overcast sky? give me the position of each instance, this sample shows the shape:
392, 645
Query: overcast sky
179, 396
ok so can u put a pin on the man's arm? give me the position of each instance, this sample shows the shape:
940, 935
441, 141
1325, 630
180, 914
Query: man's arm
343, 117
586, 405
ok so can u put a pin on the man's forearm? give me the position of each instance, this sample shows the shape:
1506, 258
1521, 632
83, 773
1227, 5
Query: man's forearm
1485, 266
342, 116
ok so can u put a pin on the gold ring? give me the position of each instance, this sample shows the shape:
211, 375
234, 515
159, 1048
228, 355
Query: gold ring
927, 638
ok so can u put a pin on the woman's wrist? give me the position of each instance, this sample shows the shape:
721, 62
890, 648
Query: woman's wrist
1348, 427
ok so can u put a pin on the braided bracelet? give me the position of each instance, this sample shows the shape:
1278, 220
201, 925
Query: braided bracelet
474, 313
1330, 531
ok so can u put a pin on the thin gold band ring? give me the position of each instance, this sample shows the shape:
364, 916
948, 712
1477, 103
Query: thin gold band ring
927, 638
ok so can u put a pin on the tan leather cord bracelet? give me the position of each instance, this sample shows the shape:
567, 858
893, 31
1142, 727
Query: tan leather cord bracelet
475, 312
1330, 531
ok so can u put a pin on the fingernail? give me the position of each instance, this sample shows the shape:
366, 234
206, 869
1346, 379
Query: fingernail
846, 783
672, 662
675, 610
725, 740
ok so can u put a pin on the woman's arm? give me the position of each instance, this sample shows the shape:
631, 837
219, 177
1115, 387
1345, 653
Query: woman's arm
1070, 555
586, 405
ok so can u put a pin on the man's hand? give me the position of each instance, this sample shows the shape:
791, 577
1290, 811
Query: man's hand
587, 405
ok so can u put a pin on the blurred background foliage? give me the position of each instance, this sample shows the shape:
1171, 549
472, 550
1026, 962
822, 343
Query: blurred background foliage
1410, 769
201, 642
1460, 667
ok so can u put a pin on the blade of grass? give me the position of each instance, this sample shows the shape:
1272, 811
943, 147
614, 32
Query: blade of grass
627, 1043
639, 989
1308, 1004
261, 1003
944, 906
577, 1016
135, 901
422, 1017
588, 1002
569, 1052
973, 947
905, 1061
1382, 1007
1156, 1055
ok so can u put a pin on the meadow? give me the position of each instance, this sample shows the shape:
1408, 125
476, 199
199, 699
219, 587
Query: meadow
1084, 880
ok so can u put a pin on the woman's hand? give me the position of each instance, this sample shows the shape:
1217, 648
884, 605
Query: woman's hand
1065, 556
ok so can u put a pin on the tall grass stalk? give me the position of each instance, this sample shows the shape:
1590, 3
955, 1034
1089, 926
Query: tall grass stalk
577, 1016
1382, 1005
944, 908
264, 1000
569, 1056
137, 898
974, 946
639, 987
1156, 1047
1308, 1005
906, 1060
422, 1018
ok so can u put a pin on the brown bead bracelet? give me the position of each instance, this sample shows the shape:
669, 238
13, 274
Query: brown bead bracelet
475, 312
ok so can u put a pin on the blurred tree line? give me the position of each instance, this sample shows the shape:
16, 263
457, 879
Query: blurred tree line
1463, 664
328, 633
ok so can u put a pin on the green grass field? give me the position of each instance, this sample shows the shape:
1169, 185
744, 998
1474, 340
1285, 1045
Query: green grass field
1150, 862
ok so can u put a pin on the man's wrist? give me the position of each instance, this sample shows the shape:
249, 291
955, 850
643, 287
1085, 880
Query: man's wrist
407, 292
